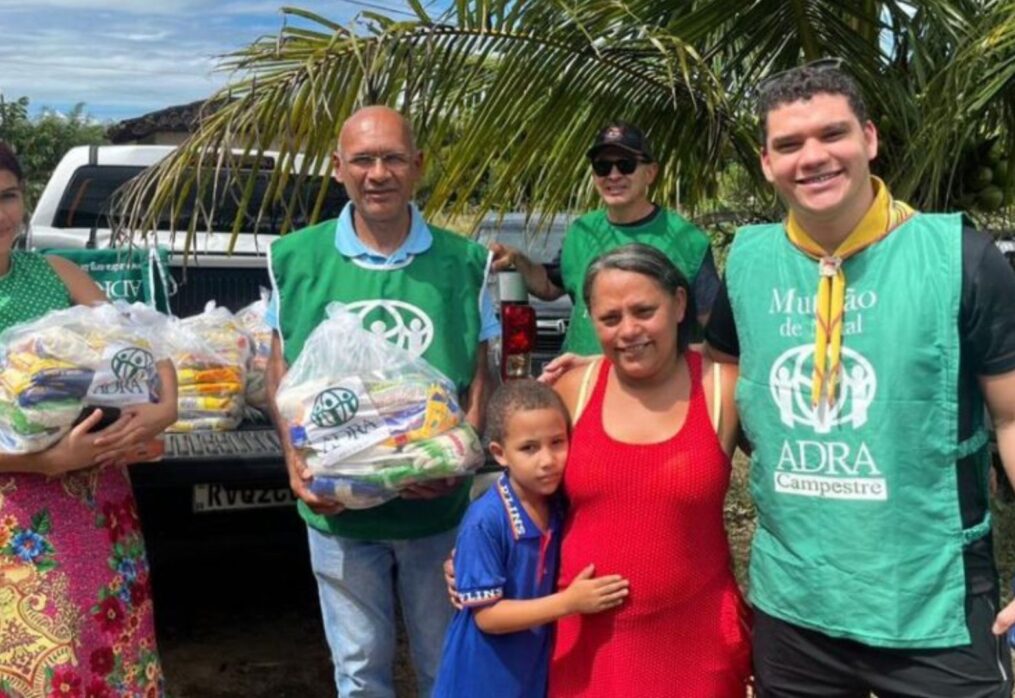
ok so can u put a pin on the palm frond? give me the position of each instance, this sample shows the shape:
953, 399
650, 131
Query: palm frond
506, 95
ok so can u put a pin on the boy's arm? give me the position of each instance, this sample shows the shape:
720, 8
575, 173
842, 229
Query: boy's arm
587, 594
514, 615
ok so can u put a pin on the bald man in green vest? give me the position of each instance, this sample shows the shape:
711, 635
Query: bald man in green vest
425, 289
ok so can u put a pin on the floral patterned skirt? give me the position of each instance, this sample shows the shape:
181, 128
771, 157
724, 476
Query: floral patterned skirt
75, 597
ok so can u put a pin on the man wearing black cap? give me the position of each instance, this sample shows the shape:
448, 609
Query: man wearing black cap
623, 169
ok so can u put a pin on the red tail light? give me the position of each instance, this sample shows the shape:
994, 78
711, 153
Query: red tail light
518, 327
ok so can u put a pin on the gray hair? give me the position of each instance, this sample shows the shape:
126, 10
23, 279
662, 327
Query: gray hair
653, 264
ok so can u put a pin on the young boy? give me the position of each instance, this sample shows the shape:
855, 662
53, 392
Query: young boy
506, 557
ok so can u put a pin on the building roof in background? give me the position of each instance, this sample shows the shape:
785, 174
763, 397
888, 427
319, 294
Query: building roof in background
180, 118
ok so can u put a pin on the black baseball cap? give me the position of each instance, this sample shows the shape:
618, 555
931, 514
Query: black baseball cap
620, 134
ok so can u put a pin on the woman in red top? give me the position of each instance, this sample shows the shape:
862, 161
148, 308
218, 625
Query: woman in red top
655, 425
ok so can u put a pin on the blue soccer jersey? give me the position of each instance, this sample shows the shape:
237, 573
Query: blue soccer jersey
500, 554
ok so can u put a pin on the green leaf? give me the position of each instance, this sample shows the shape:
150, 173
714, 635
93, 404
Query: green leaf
42, 523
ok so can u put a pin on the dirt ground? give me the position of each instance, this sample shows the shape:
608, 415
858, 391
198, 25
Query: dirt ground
246, 623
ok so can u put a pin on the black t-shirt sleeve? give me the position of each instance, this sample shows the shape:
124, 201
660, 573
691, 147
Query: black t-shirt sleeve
987, 311
721, 331
553, 271
706, 284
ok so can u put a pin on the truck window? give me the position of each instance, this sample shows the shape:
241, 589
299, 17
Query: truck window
86, 202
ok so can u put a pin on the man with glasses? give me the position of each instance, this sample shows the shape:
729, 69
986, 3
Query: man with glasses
425, 289
869, 338
623, 169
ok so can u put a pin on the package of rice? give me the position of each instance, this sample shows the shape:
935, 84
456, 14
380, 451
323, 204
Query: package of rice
210, 351
252, 319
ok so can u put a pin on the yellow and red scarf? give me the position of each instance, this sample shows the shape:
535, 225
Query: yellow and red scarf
885, 215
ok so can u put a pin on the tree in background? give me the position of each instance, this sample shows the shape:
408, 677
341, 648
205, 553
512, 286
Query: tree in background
509, 93
41, 142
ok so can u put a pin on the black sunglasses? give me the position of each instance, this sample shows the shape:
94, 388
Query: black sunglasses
603, 167
818, 66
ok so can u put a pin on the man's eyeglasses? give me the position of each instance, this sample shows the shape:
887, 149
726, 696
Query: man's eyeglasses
603, 167
391, 161
818, 66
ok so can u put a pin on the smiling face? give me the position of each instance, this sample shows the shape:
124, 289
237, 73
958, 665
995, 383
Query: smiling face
12, 210
378, 164
636, 321
624, 191
534, 449
817, 155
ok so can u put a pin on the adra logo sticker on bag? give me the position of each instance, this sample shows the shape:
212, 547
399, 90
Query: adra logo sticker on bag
819, 466
127, 374
334, 407
133, 364
341, 421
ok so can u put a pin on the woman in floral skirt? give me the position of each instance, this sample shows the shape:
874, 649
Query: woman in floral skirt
75, 595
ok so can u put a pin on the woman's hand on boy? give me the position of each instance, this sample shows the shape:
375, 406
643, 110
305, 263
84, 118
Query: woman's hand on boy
590, 594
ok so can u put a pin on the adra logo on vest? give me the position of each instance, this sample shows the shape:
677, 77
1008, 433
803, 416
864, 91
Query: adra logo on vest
824, 466
403, 324
790, 381
334, 407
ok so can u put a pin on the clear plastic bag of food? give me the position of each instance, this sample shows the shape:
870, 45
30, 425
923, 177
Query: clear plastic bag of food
252, 319
210, 351
50, 368
369, 418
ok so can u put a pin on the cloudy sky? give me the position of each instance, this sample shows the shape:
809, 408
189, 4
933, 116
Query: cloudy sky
124, 58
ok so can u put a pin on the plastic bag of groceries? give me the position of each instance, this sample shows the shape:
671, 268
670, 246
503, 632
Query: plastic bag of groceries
369, 418
51, 367
210, 351
252, 320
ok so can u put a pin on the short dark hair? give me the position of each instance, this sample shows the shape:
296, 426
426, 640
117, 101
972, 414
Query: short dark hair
647, 261
800, 84
516, 396
9, 162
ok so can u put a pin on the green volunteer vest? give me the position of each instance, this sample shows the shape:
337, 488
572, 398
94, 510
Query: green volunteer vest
593, 234
432, 301
859, 532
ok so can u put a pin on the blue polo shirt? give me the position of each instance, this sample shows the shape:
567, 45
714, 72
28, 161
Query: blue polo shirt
500, 554
417, 242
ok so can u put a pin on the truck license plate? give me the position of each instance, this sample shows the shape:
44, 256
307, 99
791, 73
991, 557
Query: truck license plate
213, 497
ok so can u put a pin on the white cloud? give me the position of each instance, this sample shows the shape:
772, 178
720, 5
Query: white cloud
127, 57
137, 7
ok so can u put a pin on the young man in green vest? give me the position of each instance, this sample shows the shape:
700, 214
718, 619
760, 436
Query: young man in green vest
869, 337
424, 288
623, 170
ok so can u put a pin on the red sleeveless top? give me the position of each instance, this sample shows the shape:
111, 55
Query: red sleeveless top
654, 514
